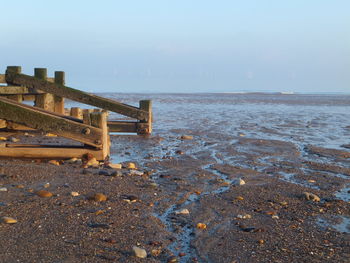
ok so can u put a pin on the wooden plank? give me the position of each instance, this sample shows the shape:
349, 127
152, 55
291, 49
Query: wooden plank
49, 122
76, 95
48, 153
2, 78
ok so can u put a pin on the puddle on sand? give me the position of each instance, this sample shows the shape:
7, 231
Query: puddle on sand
342, 227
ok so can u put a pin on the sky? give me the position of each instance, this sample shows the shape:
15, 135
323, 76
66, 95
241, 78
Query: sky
182, 45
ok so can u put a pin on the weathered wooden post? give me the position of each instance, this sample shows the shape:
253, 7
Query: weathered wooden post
45, 100
59, 101
76, 112
17, 70
146, 105
99, 120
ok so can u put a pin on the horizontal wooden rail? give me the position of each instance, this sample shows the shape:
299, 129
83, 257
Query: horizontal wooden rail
49, 122
76, 95
48, 153
125, 126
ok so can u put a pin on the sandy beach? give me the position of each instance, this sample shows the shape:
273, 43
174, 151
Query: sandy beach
235, 178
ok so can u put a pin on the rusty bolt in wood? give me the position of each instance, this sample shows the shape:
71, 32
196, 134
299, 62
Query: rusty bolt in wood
86, 131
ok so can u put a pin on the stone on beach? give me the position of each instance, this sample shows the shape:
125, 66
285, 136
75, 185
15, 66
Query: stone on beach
93, 162
74, 194
54, 162
3, 189
44, 193
201, 226
184, 211
8, 220
130, 166
139, 252
115, 165
186, 137
238, 181
311, 196
99, 197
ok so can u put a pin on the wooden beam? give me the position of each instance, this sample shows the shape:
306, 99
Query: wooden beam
50, 122
13, 90
48, 153
126, 126
76, 95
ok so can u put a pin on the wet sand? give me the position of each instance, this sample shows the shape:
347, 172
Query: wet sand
267, 219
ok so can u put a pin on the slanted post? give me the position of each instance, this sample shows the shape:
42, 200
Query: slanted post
17, 70
45, 100
99, 119
59, 101
146, 105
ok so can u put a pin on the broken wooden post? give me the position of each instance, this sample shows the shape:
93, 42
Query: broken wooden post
146, 105
45, 100
76, 112
59, 101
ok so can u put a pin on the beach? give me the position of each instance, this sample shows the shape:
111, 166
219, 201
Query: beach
223, 178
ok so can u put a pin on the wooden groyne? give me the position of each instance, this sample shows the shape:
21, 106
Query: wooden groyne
90, 127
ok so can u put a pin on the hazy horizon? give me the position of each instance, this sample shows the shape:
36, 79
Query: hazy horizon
183, 46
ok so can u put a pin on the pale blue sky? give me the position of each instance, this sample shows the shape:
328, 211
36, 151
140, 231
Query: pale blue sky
182, 45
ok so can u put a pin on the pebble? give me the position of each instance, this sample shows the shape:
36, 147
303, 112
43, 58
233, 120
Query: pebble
245, 216
93, 162
238, 181
261, 241
3, 189
43, 193
115, 165
13, 139
99, 197
47, 185
311, 181
8, 220
74, 160
130, 166
74, 194
20, 186
135, 172
139, 252
201, 226
240, 198
3, 139
184, 211
156, 252
311, 196
54, 162
186, 137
